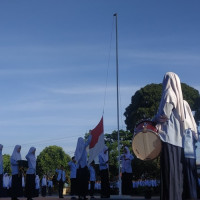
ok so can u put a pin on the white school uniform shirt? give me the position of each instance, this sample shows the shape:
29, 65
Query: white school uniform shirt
73, 169
61, 175
92, 173
37, 182
44, 182
6, 181
50, 183
190, 134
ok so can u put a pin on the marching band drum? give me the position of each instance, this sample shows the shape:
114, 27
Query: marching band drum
146, 143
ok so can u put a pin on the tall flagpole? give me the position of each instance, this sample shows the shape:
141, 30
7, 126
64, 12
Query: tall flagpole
117, 78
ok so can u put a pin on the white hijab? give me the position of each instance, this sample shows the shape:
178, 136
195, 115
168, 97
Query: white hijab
44, 181
16, 155
172, 93
79, 148
189, 120
104, 155
127, 154
31, 157
1, 156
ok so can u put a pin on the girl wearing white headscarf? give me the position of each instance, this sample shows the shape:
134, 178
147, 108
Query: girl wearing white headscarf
30, 174
126, 171
44, 186
37, 185
82, 169
6, 184
16, 176
104, 173
190, 138
1, 171
170, 118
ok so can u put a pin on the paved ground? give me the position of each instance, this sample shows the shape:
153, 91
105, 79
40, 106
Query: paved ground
113, 197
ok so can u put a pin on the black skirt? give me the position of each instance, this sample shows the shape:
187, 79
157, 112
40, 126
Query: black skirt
16, 190
82, 181
127, 183
30, 185
172, 172
190, 179
105, 183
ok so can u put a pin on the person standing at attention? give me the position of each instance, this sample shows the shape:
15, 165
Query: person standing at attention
190, 139
61, 180
104, 173
170, 122
30, 174
73, 169
82, 169
92, 178
16, 175
127, 171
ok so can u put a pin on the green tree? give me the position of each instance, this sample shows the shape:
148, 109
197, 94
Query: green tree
6, 164
50, 159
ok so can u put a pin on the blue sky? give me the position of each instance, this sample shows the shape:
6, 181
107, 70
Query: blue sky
55, 57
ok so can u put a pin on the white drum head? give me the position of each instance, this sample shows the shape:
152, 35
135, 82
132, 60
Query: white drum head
146, 145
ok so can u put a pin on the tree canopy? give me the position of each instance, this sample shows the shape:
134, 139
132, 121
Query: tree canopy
6, 163
145, 102
50, 159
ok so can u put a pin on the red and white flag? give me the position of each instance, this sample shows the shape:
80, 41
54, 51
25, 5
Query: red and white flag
97, 144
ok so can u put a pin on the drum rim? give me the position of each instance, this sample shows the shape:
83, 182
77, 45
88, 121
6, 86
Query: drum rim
147, 130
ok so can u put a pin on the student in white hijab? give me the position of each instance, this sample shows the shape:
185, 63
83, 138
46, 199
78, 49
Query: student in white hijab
37, 185
6, 185
189, 141
44, 186
127, 171
104, 173
16, 176
30, 174
170, 120
82, 169
1, 171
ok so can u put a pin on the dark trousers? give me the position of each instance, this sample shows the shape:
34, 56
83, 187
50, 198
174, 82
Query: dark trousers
127, 183
92, 183
30, 185
60, 189
82, 181
16, 186
171, 166
44, 191
73, 186
105, 184
50, 191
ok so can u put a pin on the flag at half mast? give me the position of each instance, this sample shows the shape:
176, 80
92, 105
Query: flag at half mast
97, 144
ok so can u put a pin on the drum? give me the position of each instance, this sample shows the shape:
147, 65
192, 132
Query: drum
23, 163
146, 143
